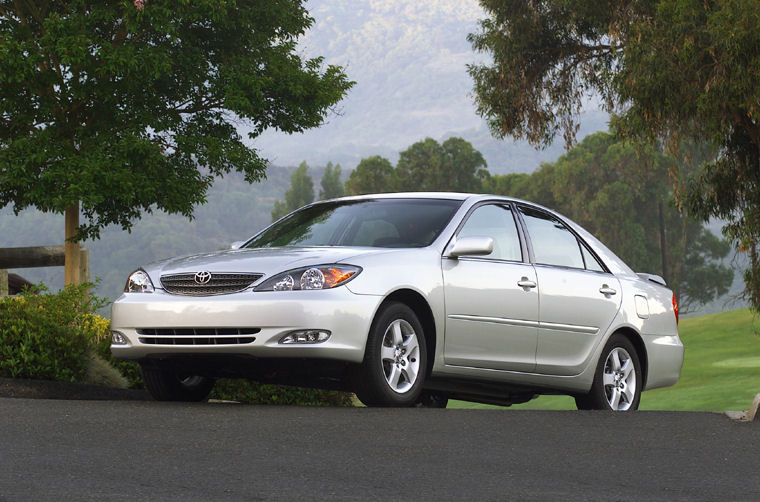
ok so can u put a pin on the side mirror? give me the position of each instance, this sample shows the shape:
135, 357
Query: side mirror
471, 246
236, 244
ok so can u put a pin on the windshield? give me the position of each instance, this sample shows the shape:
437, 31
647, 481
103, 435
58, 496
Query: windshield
385, 223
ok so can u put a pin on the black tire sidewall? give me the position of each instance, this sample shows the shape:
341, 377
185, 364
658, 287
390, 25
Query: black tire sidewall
596, 398
371, 386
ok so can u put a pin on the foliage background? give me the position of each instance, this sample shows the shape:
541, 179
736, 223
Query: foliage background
672, 70
235, 211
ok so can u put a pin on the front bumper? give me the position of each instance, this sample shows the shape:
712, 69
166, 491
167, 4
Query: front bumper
347, 316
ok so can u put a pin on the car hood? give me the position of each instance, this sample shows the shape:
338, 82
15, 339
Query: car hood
266, 261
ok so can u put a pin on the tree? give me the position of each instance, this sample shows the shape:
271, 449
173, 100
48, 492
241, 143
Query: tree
373, 175
300, 193
332, 187
128, 107
670, 68
428, 166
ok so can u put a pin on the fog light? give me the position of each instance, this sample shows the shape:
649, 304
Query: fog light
118, 338
306, 336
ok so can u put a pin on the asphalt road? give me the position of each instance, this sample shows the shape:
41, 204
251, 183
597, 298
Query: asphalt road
142, 450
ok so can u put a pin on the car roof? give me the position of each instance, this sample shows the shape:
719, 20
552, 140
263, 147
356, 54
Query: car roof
410, 195
462, 196
436, 195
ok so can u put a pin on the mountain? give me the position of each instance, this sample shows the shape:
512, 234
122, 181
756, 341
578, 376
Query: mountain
408, 59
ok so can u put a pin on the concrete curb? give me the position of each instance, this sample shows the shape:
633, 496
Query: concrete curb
752, 415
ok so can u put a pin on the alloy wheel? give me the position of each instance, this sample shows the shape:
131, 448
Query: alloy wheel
400, 355
619, 379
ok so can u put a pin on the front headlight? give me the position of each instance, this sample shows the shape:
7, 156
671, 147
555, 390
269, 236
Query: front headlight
138, 282
319, 277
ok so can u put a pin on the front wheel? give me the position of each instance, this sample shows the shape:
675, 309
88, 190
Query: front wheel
617, 381
168, 385
395, 360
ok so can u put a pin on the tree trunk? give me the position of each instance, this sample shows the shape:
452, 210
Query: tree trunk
3, 282
663, 245
71, 252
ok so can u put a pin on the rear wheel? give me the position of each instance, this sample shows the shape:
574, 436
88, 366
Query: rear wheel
168, 385
395, 360
617, 381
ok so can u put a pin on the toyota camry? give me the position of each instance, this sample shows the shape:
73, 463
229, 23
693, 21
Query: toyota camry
407, 299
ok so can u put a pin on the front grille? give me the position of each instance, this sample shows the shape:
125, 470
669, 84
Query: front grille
197, 336
218, 284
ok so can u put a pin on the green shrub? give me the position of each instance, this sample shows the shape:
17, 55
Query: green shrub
41, 335
248, 391
58, 337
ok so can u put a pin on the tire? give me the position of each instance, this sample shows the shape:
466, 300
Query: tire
617, 380
429, 399
395, 359
167, 385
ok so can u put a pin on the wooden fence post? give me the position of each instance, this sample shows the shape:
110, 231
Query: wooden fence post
3, 282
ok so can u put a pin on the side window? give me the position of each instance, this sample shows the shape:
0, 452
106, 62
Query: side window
591, 262
553, 243
498, 223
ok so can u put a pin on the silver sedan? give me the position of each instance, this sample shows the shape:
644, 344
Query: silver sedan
407, 299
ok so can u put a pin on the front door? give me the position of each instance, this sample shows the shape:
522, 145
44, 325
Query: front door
491, 301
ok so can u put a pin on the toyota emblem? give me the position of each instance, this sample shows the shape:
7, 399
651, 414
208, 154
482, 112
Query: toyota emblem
202, 277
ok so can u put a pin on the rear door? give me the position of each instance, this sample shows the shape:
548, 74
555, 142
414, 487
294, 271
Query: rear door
578, 298
491, 301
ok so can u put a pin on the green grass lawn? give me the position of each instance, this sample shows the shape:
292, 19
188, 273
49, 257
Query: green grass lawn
721, 369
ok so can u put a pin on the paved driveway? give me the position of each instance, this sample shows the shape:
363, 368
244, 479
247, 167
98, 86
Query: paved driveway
122, 450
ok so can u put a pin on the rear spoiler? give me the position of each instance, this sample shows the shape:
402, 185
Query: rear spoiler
654, 278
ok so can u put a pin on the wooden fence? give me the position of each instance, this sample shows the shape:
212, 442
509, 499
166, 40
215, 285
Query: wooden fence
39, 256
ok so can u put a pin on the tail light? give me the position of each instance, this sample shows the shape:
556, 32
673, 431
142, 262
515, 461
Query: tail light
675, 307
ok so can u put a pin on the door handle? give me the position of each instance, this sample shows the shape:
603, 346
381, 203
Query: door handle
526, 283
606, 290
